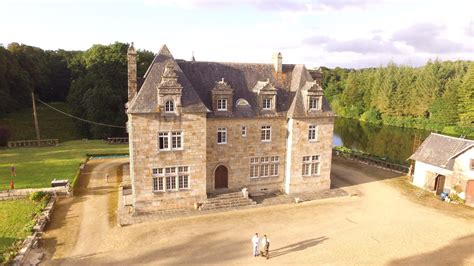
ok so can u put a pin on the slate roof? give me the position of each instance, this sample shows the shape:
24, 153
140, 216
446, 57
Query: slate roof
440, 150
199, 78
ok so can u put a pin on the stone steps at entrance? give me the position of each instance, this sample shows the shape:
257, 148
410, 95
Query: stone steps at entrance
227, 200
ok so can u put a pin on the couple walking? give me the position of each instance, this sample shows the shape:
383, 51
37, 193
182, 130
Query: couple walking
264, 243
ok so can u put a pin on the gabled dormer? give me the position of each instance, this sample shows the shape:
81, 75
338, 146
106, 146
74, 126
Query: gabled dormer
266, 96
313, 96
222, 95
169, 92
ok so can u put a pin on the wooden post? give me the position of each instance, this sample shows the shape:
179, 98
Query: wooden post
36, 118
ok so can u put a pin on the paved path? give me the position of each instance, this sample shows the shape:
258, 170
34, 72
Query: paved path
380, 226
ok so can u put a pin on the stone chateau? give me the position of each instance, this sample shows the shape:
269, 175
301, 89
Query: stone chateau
204, 127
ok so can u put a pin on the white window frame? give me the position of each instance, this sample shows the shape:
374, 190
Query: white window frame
176, 135
265, 166
244, 131
169, 138
169, 176
165, 135
314, 100
266, 133
169, 106
311, 165
221, 104
313, 133
222, 131
267, 103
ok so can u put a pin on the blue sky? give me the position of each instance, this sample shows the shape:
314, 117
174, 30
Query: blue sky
346, 33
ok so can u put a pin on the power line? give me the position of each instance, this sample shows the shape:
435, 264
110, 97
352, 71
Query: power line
78, 118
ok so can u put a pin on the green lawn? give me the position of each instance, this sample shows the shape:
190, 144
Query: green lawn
14, 217
36, 167
53, 125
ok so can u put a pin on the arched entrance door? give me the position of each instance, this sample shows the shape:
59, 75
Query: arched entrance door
221, 176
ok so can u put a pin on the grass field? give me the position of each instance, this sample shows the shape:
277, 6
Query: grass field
14, 217
36, 167
53, 125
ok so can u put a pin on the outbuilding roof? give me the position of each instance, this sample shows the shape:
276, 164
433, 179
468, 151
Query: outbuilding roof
439, 150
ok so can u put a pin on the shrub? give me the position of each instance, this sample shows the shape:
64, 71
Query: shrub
39, 196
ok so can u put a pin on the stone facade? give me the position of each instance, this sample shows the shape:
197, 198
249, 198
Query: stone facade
243, 146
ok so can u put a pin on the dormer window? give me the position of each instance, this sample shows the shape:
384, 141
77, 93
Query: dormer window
169, 107
314, 103
222, 105
267, 104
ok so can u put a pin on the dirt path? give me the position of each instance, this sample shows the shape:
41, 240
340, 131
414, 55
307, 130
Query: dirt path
380, 226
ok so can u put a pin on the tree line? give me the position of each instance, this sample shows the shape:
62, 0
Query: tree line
92, 82
437, 96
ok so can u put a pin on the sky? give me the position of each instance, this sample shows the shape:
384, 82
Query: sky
344, 33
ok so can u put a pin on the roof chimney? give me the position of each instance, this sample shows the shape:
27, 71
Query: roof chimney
132, 72
277, 62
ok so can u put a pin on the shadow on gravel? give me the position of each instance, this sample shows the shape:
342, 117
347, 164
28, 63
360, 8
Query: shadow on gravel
453, 253
302, 245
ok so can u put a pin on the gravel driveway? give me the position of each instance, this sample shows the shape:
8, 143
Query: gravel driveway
376, 226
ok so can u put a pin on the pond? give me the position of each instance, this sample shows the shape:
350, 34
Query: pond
393, 143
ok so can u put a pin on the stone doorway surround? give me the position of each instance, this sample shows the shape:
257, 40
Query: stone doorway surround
221, 177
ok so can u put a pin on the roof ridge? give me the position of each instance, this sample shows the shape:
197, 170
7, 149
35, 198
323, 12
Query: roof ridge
236, 63
456, 138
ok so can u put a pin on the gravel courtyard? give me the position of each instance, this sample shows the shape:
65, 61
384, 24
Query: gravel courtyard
377, 225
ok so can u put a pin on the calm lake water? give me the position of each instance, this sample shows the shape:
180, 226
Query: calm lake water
393, 143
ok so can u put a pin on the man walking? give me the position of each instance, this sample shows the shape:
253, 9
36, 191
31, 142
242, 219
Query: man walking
266, 246
255, 242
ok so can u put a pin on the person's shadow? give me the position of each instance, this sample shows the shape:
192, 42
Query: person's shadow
302, 245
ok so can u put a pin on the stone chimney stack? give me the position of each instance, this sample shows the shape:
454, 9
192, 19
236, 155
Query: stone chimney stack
277, 62
132, 72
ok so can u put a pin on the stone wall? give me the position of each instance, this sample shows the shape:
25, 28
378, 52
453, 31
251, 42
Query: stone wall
145, 153
236, 154
301, 146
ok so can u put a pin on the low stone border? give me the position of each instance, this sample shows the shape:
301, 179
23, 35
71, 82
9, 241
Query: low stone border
23, 193
31, 242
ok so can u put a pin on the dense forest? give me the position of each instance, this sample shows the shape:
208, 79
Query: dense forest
92, 82
438, 96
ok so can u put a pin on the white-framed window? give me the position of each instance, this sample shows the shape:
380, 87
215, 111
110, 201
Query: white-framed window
170, 178
267, 104
222, 105
163, 141
311, 165
266, 133
313, 132
222, 135
176, 140
169, 106
158, 184
314, 103
170, 140
244, 131
264, 166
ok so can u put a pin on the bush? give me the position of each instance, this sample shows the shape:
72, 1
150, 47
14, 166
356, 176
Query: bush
371, 116
39, 196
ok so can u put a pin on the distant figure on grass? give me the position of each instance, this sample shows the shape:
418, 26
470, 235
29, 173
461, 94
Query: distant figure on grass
265, 246
12, 185
255, 242
13, 170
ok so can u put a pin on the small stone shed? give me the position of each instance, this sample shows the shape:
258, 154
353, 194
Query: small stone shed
444, 163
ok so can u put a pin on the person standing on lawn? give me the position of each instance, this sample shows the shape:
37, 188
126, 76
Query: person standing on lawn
255, 242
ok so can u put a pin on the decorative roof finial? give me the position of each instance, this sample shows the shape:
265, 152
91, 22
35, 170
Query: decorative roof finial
192, 58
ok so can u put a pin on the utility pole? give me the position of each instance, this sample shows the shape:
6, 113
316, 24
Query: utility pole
36, 118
